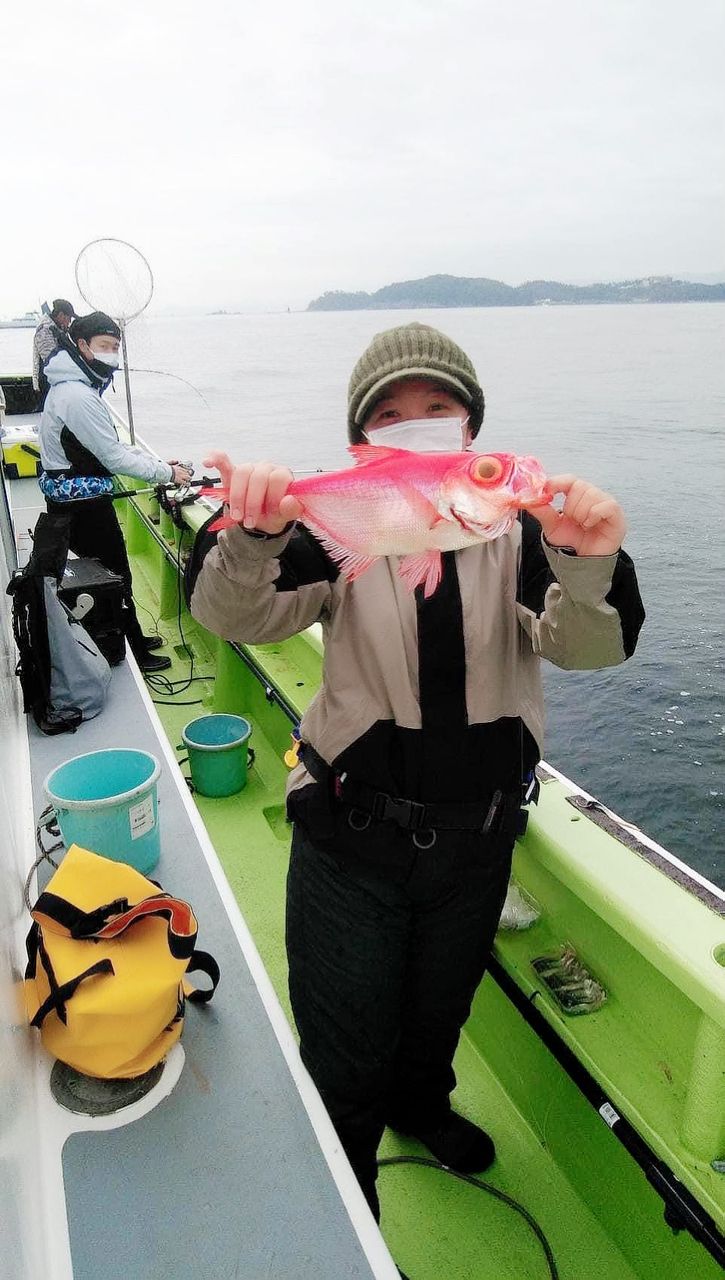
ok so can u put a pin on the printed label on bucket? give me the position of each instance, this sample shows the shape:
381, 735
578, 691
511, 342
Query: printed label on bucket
141, 817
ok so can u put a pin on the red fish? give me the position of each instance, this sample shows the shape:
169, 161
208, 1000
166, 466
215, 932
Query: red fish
414, 505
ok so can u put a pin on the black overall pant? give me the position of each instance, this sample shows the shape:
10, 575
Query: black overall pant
95, 531
383, 969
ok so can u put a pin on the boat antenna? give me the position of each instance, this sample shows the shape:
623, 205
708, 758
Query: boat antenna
113, 276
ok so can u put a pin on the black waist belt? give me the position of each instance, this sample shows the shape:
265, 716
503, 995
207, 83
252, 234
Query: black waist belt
502, 811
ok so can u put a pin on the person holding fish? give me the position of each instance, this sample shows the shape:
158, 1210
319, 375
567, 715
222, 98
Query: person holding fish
441, 577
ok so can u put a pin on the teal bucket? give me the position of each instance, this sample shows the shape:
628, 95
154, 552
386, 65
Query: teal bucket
106, 801
217, 747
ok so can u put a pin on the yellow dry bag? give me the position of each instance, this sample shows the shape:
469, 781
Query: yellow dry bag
107, 956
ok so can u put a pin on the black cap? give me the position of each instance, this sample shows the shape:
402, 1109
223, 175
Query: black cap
62, 304
91, 326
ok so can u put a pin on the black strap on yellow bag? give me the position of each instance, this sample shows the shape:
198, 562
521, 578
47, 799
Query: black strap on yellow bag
108, 955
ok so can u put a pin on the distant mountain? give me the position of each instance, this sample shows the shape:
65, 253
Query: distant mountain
470, 291
704, 277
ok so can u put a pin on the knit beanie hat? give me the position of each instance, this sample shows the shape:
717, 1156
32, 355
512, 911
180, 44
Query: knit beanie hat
411, 351
93, 325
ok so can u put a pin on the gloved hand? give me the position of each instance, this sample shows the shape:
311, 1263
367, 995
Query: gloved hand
181, 472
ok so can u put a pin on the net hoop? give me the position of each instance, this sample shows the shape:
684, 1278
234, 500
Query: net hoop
115, 278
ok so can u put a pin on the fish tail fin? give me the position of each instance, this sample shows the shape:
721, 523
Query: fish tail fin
213, 491
423, 567
224, 522
217, 492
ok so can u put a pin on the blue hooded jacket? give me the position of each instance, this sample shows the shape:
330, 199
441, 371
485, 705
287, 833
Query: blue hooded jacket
77, 432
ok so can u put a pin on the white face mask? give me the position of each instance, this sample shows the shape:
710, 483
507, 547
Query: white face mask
422, 435
111, 358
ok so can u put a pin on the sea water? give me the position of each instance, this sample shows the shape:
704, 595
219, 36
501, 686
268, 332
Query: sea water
630, 397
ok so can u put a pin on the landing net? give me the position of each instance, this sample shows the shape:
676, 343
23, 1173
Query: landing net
114, 277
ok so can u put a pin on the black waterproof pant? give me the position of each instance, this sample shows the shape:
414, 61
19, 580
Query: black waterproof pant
95, 531
382, 975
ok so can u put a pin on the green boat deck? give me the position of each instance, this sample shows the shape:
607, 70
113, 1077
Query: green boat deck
657, 1047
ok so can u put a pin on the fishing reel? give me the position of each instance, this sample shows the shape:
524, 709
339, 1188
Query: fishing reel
183, 492
172, 497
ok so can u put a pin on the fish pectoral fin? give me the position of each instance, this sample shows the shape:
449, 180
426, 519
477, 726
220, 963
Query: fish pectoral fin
422, 506
422, 567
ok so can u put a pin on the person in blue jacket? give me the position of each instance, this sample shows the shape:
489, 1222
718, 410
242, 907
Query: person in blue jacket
80, 452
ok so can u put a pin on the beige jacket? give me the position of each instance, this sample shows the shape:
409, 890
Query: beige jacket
520, 600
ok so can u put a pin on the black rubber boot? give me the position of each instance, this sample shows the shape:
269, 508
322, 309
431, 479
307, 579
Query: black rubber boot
456, 1143
153, 642
150, 662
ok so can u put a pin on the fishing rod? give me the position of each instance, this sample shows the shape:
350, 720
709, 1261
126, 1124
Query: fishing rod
164, 373
205, 482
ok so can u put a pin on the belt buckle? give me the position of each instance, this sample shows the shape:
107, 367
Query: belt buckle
407, 813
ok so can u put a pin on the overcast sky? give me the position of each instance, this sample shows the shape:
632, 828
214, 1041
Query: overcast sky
260, 153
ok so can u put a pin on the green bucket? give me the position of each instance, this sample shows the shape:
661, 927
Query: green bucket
217, 746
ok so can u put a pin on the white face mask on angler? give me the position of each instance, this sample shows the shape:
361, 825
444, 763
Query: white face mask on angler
111, 358
422, 435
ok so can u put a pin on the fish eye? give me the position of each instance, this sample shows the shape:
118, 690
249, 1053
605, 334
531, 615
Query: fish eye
487, 469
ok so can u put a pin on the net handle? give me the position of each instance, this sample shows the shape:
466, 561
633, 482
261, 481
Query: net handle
127, 383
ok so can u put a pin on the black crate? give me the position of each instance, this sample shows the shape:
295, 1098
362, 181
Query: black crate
104, 619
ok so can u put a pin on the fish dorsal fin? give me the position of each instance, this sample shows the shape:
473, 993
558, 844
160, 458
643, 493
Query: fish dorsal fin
366, 453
